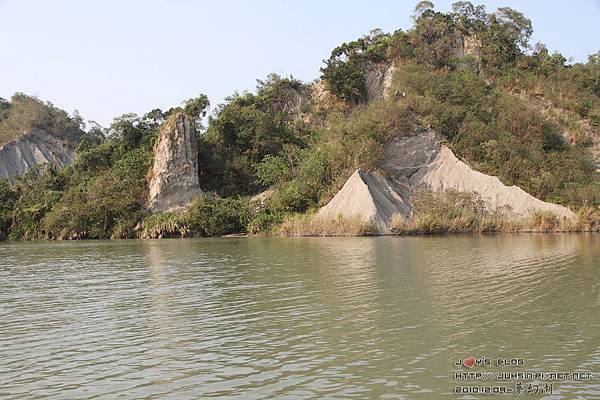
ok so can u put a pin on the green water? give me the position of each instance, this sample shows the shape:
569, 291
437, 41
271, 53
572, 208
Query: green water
363, 318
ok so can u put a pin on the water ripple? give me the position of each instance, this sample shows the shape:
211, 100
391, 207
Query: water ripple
292, 318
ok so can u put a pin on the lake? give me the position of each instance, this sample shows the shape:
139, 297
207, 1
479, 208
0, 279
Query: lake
305, 318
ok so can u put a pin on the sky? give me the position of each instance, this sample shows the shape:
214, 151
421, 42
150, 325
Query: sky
105, 58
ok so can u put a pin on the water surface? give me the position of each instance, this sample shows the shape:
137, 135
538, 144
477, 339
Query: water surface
293, 318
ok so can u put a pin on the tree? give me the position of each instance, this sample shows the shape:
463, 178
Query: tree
422, 8
343, 71
594, 64
155, 117
507, 32
519, 26
470, 18
8, 196
242, 132
345, 79
4, 108
196, 108
433, 38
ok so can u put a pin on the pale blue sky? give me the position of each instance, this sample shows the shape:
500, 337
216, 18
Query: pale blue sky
109, 57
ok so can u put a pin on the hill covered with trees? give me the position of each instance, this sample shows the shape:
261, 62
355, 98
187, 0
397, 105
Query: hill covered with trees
23, 114
506, 107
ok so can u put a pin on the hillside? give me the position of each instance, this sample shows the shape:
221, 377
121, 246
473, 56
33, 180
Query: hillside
502, 107
31, 150
23, 114
33, 133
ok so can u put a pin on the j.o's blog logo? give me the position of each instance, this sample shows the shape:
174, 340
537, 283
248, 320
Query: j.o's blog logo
472, 361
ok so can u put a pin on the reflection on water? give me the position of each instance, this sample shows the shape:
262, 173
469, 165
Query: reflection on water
292, 318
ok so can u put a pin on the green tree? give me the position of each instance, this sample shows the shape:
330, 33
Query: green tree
344, 69
8, 197
196, 108
241, 133
422, 8
434, 38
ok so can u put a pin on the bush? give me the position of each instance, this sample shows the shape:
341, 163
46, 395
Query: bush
344, 70
588, 219
264, 219
94, 208
500, 134
244, 130
211, 216
452, 211
345, 79
165, 225
271, 170
38, 191
133, 165
8, 197
543, 221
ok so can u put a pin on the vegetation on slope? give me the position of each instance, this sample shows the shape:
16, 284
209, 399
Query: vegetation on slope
458, 212
507, 108
23, 114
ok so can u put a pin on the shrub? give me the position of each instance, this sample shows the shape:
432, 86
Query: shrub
8, 197
264, 220
452, 211
588, 219
165, 225
38, 191
271, 170
543, 221
93, 208
500, 134
133, 165
344, 69
211, 216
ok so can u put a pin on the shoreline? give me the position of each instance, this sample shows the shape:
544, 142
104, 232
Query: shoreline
263, 236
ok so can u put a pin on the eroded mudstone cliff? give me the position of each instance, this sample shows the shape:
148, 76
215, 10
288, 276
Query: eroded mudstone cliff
34, 148
174, 180
423, 163
378, 80
370, 196
414, 163
446, 171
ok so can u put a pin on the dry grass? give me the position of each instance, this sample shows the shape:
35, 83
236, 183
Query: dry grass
576, 129
452, 211
456, 212
546, 221
165, 225
439, 224
588, 219
314, 225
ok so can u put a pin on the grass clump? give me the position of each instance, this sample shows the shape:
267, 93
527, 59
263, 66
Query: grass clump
165, 225
543, 221
452, 211
316, 225
588, 219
